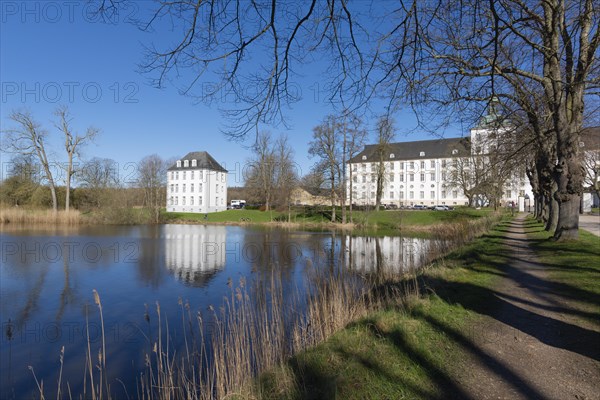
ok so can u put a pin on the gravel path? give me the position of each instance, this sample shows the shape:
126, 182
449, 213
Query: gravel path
533, 345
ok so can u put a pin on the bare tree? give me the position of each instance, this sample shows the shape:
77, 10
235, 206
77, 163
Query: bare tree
152, 177
272, 175
313, 180
286, 176
261, 176
29, 138
326, 146
531, 56
354, 139
73, 142
99, 175
385, 134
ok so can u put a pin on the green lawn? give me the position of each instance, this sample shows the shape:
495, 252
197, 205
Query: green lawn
387, 222
232, 216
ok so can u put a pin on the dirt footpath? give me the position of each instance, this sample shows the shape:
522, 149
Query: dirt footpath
533, 345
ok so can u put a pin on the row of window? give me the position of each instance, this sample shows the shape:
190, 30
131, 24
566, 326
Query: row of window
186, 163
174, 200
174, 188
421, 154
392, 177
411, 195
175, 175
391, 166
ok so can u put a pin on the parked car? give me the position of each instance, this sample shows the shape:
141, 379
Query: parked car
441, 207
419, 207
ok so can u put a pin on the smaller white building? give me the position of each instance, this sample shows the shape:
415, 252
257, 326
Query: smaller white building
197, 183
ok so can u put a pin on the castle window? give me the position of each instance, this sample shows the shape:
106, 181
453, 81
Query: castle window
186, 163
454, 151
364, 157
178, 163
392, 155
422, 154
194, 163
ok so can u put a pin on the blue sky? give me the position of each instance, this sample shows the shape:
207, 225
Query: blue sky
53, 53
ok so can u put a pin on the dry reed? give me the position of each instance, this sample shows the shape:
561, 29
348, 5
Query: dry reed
32, 217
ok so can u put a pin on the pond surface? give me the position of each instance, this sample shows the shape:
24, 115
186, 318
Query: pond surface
47, 278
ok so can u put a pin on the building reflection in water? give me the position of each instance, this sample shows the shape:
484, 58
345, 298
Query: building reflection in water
390, 254
195, 253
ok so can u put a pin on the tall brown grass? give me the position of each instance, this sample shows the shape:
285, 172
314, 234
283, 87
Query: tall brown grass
20, 216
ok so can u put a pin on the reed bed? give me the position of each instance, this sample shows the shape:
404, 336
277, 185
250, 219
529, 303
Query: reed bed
20, 216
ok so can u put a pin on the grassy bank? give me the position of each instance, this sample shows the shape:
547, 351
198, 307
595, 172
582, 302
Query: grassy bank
389, 222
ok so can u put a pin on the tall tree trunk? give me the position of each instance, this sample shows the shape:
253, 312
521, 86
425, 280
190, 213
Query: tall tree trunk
68, 182
351, 196
569, 181
552, 216
344, 180
332, 200
52, 187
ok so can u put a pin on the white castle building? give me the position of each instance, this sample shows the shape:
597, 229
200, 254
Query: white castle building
425, 172
197, 183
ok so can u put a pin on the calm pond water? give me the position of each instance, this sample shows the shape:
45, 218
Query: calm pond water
47, 276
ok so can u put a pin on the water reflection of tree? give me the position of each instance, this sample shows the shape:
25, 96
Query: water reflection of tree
149, 255
66, 295
33, 297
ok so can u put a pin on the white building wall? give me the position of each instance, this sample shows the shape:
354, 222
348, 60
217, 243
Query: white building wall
407, 182
196, 191
423, 181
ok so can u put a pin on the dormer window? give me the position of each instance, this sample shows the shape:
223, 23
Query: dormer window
422, 154
194, 163
186, 163
178, 163
364, 157
454, 151
392, 155
581, 144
